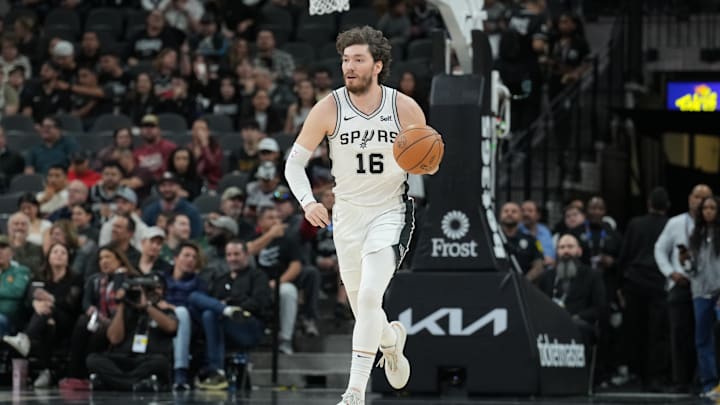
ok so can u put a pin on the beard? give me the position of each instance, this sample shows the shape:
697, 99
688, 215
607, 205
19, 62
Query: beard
567, 268
361, 86
509, 223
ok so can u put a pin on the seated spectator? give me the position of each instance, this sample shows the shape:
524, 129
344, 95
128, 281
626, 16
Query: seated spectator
55, 149
77, 193
55, 195
261, 110
323, 81
132, 363
87, 98
178, 232
115, 81
298, 111
122, 140
232, 204
154, 154
526, 249
80, 168
207, 153
14, 279
170, 200
281, 95
165, 66
575, 287
10, 56
29, 206
409, 86
246, 159
25, 253
63, 55
16, 80
238, 53
89, 53
184, 15
218, 231
11, 162
228, 101
236, 312
209, 41
279, 62
425, 17
395, 23
82, 219
183, 166
64, 233
141, 101
532, 226
9, 98
98, 307
153, 240
27, 41
103, 194
282, 262
573, 217
136, 178
182, 281
181, 102
126, 202
260, 192
147, 44
45, 97
56, 298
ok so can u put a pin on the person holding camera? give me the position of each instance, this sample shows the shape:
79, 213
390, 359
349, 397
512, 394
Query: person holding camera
238, 305
98, 306
701, 261
56, 297
140, 334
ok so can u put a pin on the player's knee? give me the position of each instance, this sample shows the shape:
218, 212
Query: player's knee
369, 299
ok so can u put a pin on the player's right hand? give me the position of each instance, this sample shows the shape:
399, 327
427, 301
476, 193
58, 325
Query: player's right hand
317, 214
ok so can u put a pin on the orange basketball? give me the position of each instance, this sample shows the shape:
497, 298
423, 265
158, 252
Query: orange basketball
418, 150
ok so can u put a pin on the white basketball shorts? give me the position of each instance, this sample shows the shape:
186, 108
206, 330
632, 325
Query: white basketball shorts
360, 230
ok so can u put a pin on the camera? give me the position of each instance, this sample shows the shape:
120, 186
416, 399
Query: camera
135, 286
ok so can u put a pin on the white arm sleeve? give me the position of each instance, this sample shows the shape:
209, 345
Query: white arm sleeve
296, 177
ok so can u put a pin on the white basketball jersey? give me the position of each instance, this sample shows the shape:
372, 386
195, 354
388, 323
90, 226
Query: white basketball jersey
361, 150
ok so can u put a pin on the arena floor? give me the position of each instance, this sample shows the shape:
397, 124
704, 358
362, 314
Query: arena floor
313, 397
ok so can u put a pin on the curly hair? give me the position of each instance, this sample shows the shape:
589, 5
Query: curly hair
378, 45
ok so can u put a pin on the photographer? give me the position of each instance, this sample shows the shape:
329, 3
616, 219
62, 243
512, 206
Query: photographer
237, 308
98, 307
140, 334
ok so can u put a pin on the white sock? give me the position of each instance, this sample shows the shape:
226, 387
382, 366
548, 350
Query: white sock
360, 369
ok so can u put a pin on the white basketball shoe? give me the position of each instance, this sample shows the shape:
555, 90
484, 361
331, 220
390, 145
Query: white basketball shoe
397, 366
351, 397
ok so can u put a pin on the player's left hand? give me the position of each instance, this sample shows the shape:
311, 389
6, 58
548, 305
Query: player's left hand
317, 214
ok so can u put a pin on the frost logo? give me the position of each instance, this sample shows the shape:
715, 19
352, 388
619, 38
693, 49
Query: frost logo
455, 225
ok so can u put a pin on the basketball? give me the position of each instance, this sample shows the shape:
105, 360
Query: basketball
418, 150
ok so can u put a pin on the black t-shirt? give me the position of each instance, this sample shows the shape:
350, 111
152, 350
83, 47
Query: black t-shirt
571, 53
140, 322
145, 47
44, 104
116, 89
526, 250
243, 161
276, 257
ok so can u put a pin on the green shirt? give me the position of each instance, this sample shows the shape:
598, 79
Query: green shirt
13, 284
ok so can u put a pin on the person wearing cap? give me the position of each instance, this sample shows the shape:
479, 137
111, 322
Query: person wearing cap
309, 279
232, 204
125, 204
237, 309
150, 261
154, 154
80, 168
55, 148
170, 201
78, 193
259, 192
269, 151
11, 162
14, 280
218, 231
246, 159
102, 194
55, 194
63, 55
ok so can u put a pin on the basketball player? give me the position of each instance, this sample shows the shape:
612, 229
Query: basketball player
373, 217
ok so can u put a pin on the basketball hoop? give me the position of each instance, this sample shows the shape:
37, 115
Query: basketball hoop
318, 7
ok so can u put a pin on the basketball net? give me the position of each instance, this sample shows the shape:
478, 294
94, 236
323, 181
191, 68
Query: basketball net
328, 6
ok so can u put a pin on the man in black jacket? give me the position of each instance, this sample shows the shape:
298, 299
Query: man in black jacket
236, 309
575, 287
646, 312
11, 163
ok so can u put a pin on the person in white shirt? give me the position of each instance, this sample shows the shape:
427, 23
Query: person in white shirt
674, 237
55, 195
126, 204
